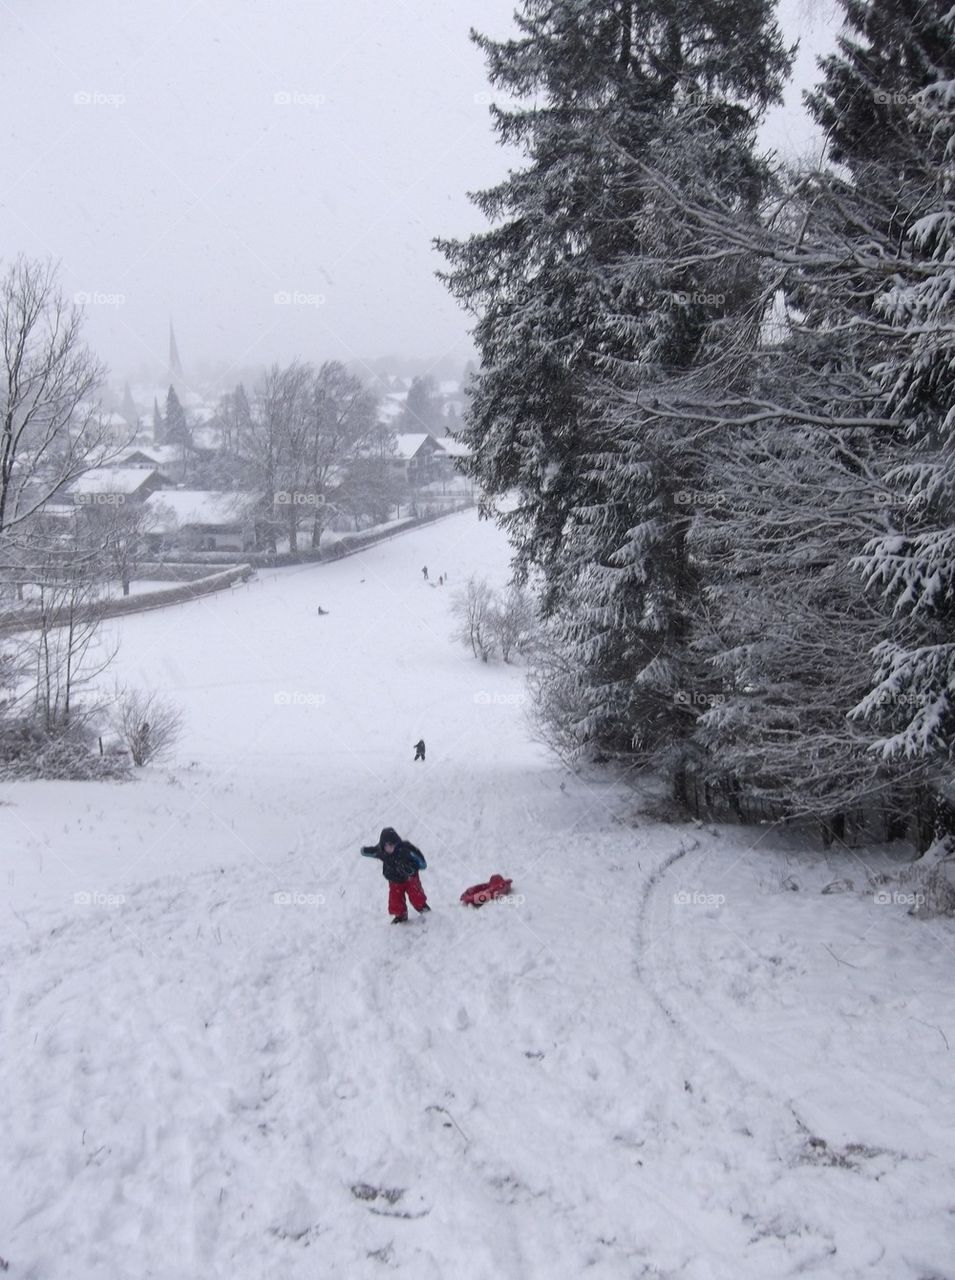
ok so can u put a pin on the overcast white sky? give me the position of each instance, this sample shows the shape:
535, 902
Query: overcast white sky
197, 159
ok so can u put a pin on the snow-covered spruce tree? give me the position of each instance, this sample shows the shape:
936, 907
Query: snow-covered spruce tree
794, 484
787, 625
905, 57
176, 426
577, 301
820, 425
635, 584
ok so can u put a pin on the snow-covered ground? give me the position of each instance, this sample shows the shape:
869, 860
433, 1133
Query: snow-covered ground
219, 1059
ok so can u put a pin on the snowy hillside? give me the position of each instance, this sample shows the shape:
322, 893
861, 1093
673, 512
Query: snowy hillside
219, 1059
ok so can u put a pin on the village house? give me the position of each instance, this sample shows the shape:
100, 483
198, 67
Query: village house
200, 520
171, 459
114, 486
420, 457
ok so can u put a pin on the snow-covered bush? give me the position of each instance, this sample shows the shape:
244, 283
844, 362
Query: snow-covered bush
474, 609
512, 622
148, 724
28, 751
558, 700
491, 623
930, 882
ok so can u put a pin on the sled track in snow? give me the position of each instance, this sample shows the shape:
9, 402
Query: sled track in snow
653, 880
685, 1025
747, 1140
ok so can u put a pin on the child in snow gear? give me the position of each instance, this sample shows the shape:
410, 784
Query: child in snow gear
400, 863
419, 749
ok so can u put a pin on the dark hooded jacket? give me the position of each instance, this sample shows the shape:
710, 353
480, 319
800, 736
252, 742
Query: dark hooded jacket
400, 865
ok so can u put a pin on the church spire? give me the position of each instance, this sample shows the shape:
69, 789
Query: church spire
176, 375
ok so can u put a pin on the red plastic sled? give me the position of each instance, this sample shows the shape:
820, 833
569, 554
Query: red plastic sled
478, 894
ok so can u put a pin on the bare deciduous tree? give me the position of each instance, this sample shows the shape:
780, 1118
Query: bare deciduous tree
344, 426
512, 621
304, 425
119, 531
474, 609
67, 655
50, 428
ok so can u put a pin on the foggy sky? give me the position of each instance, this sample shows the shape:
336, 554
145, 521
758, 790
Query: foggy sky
195, 161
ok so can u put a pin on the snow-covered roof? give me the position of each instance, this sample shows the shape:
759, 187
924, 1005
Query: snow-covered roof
115, 420
408, 443
162, 455
58, 511
111, 480
454, 448
175, 508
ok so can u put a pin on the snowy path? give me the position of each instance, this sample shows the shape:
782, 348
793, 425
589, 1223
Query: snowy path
596, 1078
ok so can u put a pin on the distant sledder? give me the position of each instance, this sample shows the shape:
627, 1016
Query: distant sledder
400, 863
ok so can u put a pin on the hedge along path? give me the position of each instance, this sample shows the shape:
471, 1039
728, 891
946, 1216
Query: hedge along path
347, 545
28, 619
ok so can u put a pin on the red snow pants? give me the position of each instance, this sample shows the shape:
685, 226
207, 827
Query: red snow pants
396, 895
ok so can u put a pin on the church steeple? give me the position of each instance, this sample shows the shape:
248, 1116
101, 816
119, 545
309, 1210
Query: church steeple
176, 375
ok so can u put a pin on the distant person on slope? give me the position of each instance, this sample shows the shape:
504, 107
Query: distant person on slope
400, 864
425, 573
419, 749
